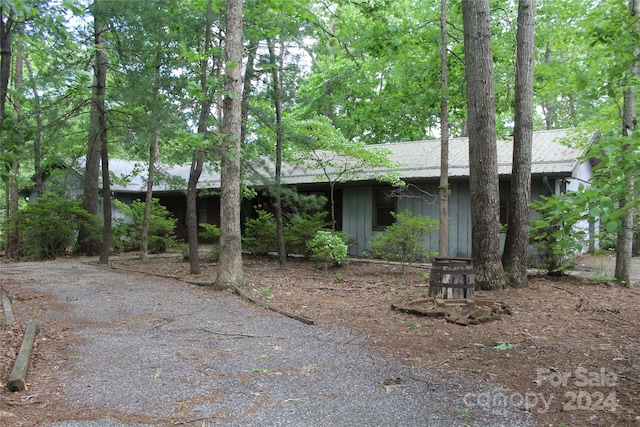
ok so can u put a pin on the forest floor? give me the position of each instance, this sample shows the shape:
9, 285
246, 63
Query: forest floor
564, 349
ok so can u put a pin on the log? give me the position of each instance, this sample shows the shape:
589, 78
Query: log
429, 312
279, 310
19, 373
6, 305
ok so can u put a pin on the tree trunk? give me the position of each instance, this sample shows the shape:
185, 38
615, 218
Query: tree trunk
12, 237
483, 163
624, 243
37, 142
515, 256
90, 190
231, 273
443, 230
550, 106
6, 28
197, 161
276, 67
146, 220
246, 90
106, 193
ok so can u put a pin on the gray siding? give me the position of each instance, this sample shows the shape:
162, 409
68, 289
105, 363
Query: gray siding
358, 216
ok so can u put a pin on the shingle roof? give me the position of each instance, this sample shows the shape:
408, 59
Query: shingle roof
419, 159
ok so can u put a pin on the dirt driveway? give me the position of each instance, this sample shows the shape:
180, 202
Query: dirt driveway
117, 348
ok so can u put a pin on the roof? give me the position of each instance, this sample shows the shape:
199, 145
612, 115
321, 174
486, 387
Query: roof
418, 159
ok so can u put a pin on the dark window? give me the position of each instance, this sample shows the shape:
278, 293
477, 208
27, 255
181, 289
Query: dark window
504, 204
383, 205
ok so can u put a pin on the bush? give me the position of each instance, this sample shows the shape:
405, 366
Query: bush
211, 233
404, 240
301, 229
328, 247
49, 228
556, 239
127, 235
260, 233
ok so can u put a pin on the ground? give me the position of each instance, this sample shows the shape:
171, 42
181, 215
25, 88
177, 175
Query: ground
568, 350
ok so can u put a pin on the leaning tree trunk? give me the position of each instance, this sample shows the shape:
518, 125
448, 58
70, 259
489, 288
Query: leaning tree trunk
197, 161
515, 256
624, 243
231, 273
483, 162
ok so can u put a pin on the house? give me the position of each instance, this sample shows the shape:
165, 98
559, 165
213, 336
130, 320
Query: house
363, 205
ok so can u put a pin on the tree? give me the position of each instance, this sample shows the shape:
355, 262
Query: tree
483, 167
231, 271
624, 245
197, 162
515, 255
443, 230
323, 147
97, 120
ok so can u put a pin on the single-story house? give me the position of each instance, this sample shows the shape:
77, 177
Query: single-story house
363, 205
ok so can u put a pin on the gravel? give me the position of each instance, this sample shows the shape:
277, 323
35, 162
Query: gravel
156, 352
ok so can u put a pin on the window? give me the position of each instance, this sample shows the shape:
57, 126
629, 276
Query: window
383, 205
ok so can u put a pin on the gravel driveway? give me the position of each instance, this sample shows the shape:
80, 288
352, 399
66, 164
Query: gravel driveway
158, 352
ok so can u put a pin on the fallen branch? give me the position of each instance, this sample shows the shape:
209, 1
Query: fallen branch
279, 310
19, 373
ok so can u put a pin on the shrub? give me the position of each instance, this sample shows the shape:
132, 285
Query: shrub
260, 233
404, 240
162, 225
328, 247
555, 237
301, 229
49, 228
211, 233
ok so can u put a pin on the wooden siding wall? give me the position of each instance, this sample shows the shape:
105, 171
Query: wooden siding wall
358, 216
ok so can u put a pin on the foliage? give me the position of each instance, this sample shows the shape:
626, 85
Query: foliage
211, 233
555, 237
260, 233
48, 229
127, 233
328, 247
404, 239
300, 229
560, 234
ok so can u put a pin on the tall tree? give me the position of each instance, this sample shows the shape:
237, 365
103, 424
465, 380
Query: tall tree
515, 255
276, 63
90, 191
12, 237
624, 243
483, 162
443, 230
197, 161
231, 270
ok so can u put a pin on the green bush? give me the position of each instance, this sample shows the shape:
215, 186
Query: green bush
301, 229
556, 239
260, 233
404, 240
49, 228
211, 233
127, 235
328, 247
